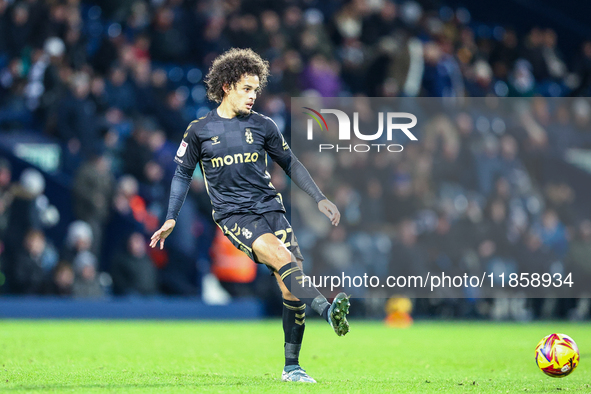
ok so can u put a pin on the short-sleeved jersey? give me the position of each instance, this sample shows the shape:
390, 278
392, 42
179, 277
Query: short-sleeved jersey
232, 154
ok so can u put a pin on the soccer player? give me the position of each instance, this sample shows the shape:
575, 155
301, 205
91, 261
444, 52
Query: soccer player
231, 144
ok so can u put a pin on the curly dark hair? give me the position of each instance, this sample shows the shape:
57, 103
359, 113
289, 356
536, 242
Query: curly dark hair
230, 66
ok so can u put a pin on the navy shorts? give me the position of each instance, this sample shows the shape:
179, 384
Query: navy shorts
243, 229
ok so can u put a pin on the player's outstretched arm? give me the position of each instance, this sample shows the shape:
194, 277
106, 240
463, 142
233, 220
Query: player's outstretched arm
162, 233
301, 177
330, 210
181, 181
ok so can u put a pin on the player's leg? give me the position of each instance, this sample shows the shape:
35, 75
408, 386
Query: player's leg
242, 230
337, 314
256, 236
294, 324
269, 250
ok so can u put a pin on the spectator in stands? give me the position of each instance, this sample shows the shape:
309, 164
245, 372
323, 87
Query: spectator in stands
488, 164
92, 193
168, 42
119, 91
534, 54
505, 54
379, 24
24, 215
322, 76
63, 280
562, 134
233, 269
5, 195
400, 193
494, 240
410, 257
127, 190
579, 251
552, 233
86, 282
54, 88
59, 18
335, 252
560, 197
145, 97
582, 120
78, 122
129, 214
170, 116
107, 53
18, 29
373, 211
132, 271
521, 80
511, 167
154, 190
137, 153
533, 255
553, 58
582, 70
444, 245
77, 43
13, 110
163, 152
78, 240
3, 25
34, 265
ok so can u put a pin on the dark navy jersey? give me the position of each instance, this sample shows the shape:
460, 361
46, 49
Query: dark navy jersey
232, 154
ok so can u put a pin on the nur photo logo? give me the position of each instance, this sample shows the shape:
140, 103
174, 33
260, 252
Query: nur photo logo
392, 122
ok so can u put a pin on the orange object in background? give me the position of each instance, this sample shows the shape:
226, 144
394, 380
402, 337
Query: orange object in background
230, 264
398, 311
141, 214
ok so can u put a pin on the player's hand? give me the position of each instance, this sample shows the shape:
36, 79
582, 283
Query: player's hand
330, 210
162, 234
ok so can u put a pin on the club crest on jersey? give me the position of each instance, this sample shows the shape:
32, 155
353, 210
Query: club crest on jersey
248, 135
216, 140
182, 149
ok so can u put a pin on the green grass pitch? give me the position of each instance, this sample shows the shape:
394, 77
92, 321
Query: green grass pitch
220, 357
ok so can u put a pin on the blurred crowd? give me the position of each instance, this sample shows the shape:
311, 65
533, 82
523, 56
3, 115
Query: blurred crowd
117, 81
486, 189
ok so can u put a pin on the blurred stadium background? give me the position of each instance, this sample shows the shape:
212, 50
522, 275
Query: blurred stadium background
95, 96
